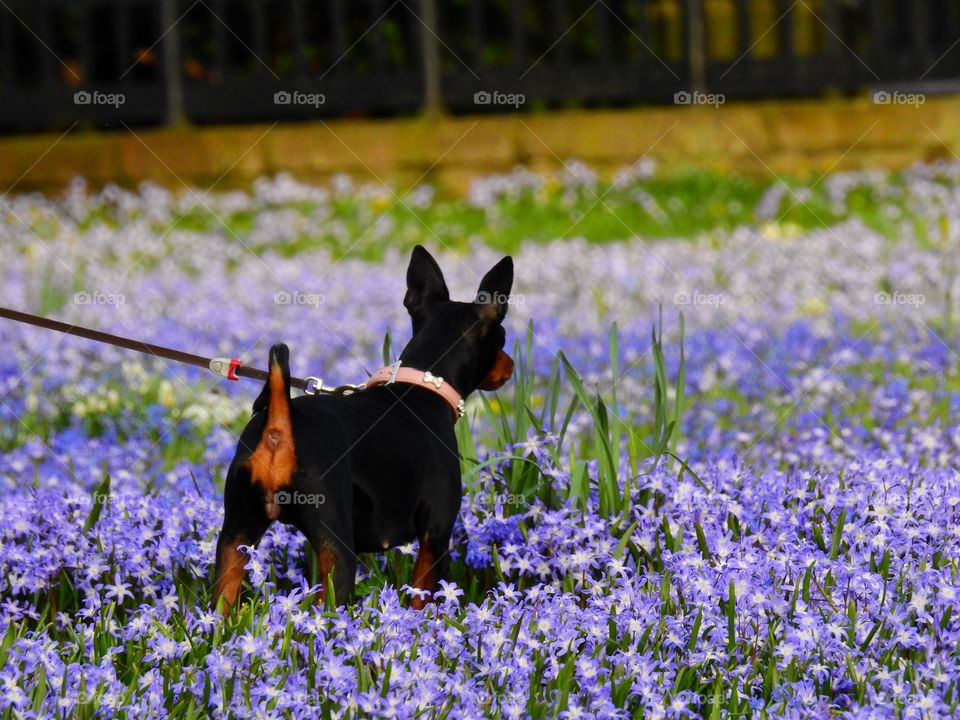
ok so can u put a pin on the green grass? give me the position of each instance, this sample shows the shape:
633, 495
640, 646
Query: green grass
687, 205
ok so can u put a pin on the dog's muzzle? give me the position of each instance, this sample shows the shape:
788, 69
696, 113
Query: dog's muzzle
500, 372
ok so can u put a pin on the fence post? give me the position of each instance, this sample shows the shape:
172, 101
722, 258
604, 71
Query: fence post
696, 46
172, 75
432, 91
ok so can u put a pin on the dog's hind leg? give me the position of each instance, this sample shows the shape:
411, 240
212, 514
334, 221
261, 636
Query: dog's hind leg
259, 477
231, 562
244, 523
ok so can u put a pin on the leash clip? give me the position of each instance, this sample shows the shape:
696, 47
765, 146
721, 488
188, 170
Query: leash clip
314, 386
226, 367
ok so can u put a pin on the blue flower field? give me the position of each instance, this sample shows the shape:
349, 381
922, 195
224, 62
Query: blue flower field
724, 480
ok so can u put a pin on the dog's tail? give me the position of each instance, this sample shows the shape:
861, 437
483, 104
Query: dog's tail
274, 461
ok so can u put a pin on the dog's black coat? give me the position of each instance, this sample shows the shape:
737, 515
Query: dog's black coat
385, 459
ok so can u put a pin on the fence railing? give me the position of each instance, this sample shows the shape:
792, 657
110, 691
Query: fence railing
146, 62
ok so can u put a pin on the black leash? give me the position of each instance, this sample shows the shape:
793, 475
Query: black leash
230, 368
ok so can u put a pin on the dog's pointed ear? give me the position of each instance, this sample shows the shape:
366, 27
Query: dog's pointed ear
425, 283
495, 289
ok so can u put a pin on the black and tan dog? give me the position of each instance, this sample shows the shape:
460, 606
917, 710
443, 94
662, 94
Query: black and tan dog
378, 468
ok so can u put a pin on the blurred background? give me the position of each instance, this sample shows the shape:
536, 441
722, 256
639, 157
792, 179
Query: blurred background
128, 65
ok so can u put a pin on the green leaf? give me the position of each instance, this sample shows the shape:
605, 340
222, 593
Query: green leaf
837, 534
771, 678
625, 538
702, 542
695, 631
806, 583
731, 617
386, 348
716, 707
579, 490
100, 496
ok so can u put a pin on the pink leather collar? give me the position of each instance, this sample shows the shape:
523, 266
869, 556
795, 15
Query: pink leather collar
425, 379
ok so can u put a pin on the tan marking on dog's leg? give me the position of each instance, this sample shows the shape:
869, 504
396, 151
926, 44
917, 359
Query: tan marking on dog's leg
325, 562
424, 577
231, 571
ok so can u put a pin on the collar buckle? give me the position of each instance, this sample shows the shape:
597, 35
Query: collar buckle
393, 373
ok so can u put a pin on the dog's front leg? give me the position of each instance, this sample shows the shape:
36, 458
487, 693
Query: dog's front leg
331, 538
336, 562
433, 561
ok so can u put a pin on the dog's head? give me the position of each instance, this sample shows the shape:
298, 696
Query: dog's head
460, 341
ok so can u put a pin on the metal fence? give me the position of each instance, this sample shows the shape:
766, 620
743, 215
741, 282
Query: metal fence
101, 63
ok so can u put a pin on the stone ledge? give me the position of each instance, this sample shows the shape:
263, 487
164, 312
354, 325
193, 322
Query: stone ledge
790, 137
